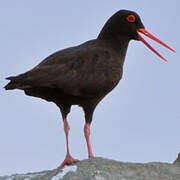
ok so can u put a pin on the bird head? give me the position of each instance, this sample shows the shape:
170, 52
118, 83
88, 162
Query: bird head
126, 24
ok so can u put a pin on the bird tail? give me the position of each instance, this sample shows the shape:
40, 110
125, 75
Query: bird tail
13, 84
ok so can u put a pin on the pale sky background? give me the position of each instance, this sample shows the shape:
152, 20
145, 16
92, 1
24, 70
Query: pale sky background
139, 121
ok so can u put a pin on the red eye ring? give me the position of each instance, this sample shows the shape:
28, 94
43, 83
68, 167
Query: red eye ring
131, 18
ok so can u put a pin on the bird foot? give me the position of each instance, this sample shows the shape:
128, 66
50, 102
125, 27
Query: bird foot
91, 156
69, 160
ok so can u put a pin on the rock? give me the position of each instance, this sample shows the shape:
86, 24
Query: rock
104, 169
177, 161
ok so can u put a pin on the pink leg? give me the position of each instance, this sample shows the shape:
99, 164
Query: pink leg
87, 136
68, 159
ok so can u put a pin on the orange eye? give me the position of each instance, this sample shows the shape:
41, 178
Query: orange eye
131, 18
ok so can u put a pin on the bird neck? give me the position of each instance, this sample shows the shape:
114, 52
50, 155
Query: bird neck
119, 44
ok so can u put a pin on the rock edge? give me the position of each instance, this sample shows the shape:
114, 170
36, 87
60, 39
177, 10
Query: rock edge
105, 169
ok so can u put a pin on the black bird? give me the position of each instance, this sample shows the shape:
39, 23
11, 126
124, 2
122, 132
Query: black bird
83, 75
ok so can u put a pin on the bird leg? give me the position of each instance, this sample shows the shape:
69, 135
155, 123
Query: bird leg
68, 159
87, 136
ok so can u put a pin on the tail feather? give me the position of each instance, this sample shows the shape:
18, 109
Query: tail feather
15, 83
11, 85
11, 78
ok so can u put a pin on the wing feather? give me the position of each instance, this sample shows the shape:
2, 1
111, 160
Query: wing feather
77, 70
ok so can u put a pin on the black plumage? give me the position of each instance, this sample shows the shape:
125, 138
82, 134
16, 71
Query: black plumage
84, 74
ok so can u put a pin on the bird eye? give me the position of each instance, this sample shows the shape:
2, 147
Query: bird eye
131, 18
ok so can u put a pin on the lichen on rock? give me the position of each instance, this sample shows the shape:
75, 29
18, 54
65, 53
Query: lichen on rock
105, 169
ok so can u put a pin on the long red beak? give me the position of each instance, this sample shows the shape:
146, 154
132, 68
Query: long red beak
146, 33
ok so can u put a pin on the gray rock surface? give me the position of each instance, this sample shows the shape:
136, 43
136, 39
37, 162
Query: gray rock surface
104, 169
177, 161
